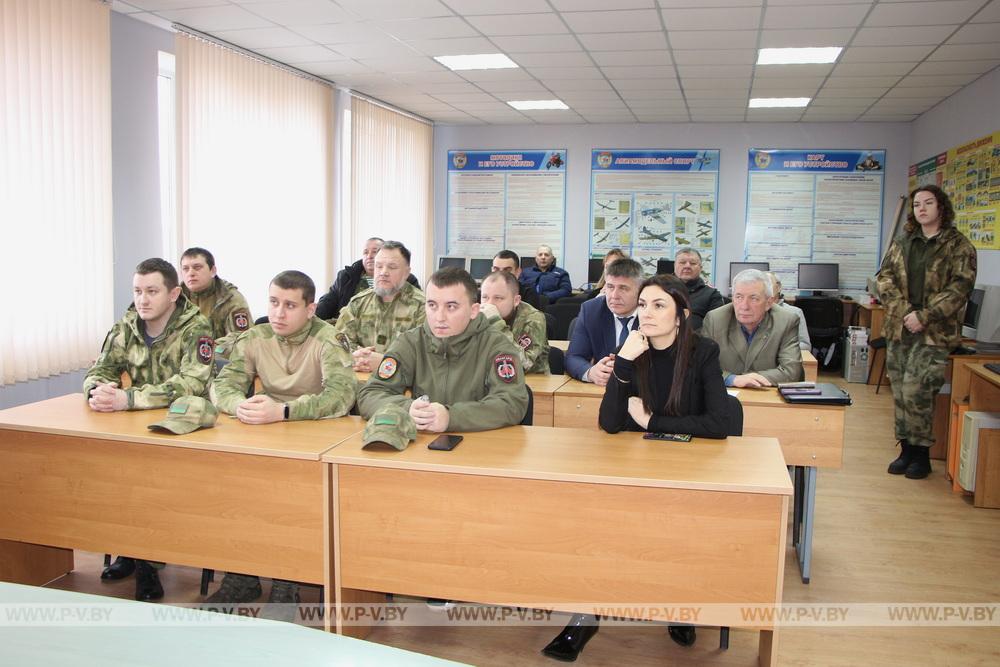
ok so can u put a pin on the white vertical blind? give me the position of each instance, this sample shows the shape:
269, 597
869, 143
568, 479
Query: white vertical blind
391, 181
55, 185
254, 166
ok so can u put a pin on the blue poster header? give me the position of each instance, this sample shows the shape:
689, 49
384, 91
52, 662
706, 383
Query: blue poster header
646, 160
824, 161
507, 160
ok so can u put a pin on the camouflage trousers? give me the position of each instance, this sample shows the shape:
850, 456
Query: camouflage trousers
916, 371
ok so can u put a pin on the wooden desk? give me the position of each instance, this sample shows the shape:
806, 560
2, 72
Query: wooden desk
234, 497
810, 367
566, 519
872, 315
959, 374
984, 395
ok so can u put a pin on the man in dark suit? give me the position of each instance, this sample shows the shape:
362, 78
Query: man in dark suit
604, 323
758, 345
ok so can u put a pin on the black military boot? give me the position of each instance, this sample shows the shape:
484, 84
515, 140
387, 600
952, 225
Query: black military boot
902, 462
147, 582
920, 465
234, 589
282, 602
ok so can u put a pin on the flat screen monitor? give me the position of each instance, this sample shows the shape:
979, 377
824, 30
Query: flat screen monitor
528, 262
736, 267
664, 266
595, 269
819, 277
479, 268
447, 262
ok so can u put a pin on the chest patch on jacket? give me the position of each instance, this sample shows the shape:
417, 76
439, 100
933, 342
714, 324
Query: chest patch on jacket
387, 368
524, 341
206, 348
506, 370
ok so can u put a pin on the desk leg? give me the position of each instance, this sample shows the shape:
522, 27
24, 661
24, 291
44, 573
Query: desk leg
804, 547
33, 564
767, 648
797, 503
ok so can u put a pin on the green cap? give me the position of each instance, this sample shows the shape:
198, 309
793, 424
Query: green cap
392, 425
186, 414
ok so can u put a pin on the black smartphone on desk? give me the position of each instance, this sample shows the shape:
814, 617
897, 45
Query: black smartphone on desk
670, 437
445, 442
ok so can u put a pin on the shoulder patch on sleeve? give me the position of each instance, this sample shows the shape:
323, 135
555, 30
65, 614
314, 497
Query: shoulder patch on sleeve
206, 349
505, 368
524, 340
387, 368
241, 320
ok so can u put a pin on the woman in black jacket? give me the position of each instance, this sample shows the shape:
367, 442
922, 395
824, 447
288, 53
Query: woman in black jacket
666, 379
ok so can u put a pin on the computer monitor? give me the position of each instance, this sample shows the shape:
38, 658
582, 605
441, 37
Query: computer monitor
819, 277
528, 262
736, 267
972, 313
988, 319
664, 266
595, 269
447, 262
479, 267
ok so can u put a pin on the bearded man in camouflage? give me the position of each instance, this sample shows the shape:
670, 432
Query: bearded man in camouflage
305, 374
217, 299
165, 347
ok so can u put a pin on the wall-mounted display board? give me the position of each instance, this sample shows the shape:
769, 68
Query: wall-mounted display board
649, 203
970, 174
514, 199
816, 206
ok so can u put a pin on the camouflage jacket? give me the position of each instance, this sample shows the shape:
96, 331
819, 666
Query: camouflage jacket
950, 276
307, 370
227, 311
368, 320
477, 375
179, 362
528, 330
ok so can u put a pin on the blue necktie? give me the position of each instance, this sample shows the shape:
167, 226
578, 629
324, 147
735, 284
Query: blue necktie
625, 329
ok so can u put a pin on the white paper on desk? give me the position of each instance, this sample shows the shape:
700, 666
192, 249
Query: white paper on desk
733, 392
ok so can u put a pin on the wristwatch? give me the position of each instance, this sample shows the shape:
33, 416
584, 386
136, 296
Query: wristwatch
286, 411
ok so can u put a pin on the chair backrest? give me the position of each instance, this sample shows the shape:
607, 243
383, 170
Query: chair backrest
550, 326
822, 312
262, 320
557, 361
734, 421
529, 414
569, 329
563, 312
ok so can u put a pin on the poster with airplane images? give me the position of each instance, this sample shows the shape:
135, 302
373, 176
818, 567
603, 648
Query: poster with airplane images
650, 203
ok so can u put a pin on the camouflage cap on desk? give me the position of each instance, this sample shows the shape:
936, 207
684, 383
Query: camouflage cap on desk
187, 414
392, 425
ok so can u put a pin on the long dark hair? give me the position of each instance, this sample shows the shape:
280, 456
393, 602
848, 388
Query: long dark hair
944, 208
683, 344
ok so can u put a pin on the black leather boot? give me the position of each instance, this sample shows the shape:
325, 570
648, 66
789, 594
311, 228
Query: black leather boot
920, 464
121, 568
903, 461
147, 582
568, 643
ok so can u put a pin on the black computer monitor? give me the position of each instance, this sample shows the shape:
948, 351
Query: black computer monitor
528, 262
479, 268
664, 266
971, 321
447, 262
819, 277
595, 269
736, 267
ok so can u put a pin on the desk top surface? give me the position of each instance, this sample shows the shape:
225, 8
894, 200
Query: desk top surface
756, 397
70, 415
753, 465
985, 373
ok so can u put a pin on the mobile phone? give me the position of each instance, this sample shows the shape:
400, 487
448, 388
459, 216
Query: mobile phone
445, 442
671, 437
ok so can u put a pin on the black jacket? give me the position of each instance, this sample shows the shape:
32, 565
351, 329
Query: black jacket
344, 288
703, 299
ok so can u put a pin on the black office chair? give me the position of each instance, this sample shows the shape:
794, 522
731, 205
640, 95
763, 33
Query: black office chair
569, 329
529, 414
825, 322
575, 298
550, 326
262, 320
557, 361
734, 427
564, 313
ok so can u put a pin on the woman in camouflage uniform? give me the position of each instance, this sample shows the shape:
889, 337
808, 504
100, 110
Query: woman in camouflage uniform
924, 284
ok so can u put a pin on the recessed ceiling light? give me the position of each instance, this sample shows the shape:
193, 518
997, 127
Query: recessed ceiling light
770, 102
526, 105
806, 56
477, 61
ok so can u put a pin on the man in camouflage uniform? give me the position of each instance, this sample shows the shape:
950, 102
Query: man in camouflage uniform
218, 300
924, 284
305, 374
375, 318
165, 347
353, 279
526, 324
466, 375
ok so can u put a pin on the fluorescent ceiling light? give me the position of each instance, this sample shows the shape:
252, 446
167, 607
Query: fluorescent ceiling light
477, 61
527, 105
806, 56
771, 102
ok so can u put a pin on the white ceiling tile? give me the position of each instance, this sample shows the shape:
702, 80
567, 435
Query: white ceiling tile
713, 39
937, 80
654, 98
669, 83
537, 43
967, 52
624, 41
673, 4
804, 82
518, 24
990, 14
599, 105
715, 71
773, 115
437, 28
727, 18
637, 20
452, 47
955, 67
627, 58
905, 36
845, 93
572, 59
652, 72
782, 91
770, 39
124, 7
923, 91
449, 88
420, 78
839, 101
861, 81
261, 38
813, 16
514, 89
587, 98
589, 5
791, 71
715, 56
904, 106
811, 116
461, 98
553, 116
599, 119
886, 118
872, 69
402, 64
976, 33
332, 69
922, 13
783, 3
589, 86
566, 72
698, 95
299, 54
698, 83
211, 19
300, 12
393, 9
384, 48
495, 106
483, 7
488, 75
341, 33
157, 5
885, 54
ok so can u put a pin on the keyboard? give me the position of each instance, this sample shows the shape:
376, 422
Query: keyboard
993, 367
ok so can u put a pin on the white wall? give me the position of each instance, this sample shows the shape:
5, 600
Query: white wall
733, 139
971, 113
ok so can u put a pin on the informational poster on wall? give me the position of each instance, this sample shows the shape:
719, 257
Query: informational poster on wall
970, 174
514, 199
649, 203
822, 206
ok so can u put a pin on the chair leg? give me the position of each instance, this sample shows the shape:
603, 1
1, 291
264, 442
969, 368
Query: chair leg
724, 638
881, 374
107, 560
206, 576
